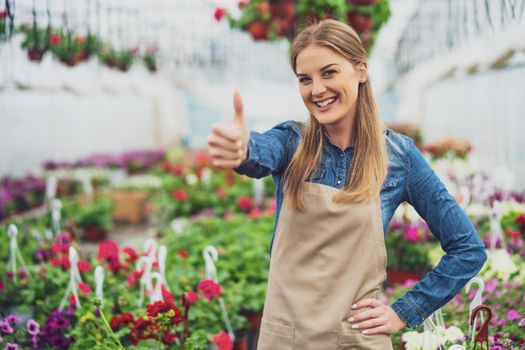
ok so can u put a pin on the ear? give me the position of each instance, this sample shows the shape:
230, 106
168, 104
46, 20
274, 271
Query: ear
362, 71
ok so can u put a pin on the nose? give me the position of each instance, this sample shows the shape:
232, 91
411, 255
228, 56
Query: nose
318, 87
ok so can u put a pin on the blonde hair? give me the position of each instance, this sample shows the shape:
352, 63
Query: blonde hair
369, 164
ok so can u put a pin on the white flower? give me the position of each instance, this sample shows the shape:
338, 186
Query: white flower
192, 179
179, 225
500, 262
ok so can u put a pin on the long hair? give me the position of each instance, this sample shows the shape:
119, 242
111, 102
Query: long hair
369, 164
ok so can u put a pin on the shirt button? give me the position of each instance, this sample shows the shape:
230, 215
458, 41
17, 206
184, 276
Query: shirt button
338, 181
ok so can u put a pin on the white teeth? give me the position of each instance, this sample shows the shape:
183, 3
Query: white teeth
325, 102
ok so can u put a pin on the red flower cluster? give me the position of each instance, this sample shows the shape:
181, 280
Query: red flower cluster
108, 250
219, 13
222, 340
161, 307
55, 39
210, 288
60, 253
123, 320
520, 220
245, 203
179, 195
512, 233
134, 276
190, 298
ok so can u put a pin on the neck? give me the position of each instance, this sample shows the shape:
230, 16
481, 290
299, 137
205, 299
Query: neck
342, 133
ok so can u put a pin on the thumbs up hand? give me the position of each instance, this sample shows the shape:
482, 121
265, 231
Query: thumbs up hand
228, 141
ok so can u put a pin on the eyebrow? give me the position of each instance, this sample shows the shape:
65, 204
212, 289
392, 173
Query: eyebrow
322, 69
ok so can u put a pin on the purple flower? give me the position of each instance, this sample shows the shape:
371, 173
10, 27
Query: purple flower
33, 327
12, 319
5, 327
10, 346
495, 347
522, 323
513, 315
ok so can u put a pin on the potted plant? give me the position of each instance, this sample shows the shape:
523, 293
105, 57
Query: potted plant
311, 11
3, 24
255, 18
119, 59
36, 41
367, 17
95, 219
150, 58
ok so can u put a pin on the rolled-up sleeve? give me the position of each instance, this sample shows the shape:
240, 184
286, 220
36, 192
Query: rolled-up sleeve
269, 152
465, 252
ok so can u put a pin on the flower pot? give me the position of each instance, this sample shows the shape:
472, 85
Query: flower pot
69, 61
362, 2
35, 55
259, 30
241, 341
284, 9
359, 21
254, 318
94, 234
395, 276
130, 206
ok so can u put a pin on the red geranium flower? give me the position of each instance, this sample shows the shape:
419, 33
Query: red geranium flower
3, 14
245, 203
222, 340
167, 295
220, 193
512, 233
183, 253
169, 338
55, 39
209, 288
108, 250
180, 195
83, 266
242, 3
256, 213
132, 253
190, 297
177, 170
80, 40
520, 220
263, 7
84, 288
219, 13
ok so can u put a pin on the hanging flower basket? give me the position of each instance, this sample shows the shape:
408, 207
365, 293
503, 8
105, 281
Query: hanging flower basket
362, 2
35, 55
259, 30
361, 22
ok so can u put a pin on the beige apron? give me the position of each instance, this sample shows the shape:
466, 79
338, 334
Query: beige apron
323, 260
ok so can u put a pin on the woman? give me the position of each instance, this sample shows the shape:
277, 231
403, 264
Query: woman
339, 179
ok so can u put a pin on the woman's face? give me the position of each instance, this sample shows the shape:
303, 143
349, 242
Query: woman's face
328, 83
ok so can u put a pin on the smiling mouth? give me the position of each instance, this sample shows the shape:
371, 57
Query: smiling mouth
326, 102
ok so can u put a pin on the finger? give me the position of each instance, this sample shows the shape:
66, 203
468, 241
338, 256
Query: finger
220, 153
383, 329
374, 322
226, 164
368, 302
365, 315
229, 131
237, 107
215, 140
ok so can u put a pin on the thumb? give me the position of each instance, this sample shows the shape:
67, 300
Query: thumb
237, 107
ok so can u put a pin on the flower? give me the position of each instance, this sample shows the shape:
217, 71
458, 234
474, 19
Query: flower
243, 3
190, 297
412, 234
179, 195
80, 40
220, 193
209, 288
5, 327
108, 250
522, 323
169, 338
245, 204
222, 340
12, 319
22, 272
122, 320
520, 220
513, 315
33, 327
131, 253
85, 288
183, 253
54, 39
219, 13
10, 346
83, 266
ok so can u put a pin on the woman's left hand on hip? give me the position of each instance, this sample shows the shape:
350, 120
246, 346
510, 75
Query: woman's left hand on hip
380, 319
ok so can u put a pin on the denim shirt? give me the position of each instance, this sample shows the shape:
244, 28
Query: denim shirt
410, 179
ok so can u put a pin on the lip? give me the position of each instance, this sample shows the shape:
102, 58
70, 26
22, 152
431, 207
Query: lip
327, 107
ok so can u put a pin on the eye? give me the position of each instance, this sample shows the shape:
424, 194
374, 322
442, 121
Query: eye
329, 72
304, 80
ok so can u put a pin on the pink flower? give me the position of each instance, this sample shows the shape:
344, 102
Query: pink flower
513, 315
190, 297
490, 285
219, 13
55, 39
522, 323
179, 195
245, 203
412, 235
222, 340
108, 250
209, 288
243, 3
132, 253
33, 327
83, 266
84, 288
22, 272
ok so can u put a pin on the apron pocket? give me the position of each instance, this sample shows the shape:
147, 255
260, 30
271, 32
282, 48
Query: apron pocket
359, 341
275, 336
